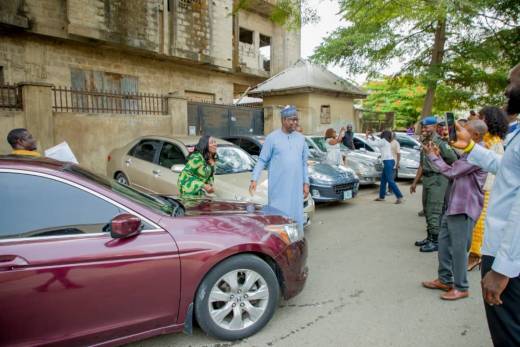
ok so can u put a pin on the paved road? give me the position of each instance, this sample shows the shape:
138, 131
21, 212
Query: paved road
364, 287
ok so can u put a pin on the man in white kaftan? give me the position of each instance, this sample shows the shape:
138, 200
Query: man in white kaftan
285, 154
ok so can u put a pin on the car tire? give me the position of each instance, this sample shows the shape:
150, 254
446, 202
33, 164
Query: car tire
229, 313
121, 178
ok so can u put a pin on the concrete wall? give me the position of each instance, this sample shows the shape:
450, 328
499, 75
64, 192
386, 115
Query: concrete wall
273, 105
9, 120
309, 108
341, 111
194, 31
93, 136
29, 58
249, 55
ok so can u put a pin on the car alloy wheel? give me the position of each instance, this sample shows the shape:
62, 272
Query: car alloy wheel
121, 178
237, 298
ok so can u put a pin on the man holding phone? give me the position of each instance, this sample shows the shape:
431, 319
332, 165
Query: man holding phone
501, 248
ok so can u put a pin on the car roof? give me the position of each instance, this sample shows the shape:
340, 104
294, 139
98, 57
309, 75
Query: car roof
186, 140
19, 161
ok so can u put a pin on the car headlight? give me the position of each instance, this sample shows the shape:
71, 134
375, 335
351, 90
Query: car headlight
289, 233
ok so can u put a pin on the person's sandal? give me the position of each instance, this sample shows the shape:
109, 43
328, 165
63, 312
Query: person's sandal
473, 262
379, 199
399, 201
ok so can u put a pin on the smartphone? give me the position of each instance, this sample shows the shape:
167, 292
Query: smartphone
450, 122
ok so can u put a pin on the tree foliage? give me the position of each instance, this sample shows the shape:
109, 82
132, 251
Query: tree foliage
399, 95
481, 45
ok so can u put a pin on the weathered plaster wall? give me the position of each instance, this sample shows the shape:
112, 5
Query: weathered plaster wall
273, 105
341, 111
93, 136
9, 120
309, 108
26, 58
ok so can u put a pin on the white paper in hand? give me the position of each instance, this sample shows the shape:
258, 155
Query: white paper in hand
61, 152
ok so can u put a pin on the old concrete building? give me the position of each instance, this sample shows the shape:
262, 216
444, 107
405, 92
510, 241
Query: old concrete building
197, 48
114, 53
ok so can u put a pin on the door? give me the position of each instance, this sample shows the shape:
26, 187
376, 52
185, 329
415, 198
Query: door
165, 180
63, 278
139, 163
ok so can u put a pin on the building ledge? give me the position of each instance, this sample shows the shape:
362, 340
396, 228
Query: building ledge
11, 20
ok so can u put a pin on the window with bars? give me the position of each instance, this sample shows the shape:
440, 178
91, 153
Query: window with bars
101, 81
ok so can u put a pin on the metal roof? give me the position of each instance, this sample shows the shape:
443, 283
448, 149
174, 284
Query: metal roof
305, 76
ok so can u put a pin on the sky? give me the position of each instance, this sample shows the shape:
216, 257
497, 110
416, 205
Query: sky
313, 34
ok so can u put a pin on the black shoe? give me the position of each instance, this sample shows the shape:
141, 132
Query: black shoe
430, 247
422, 242
420, 213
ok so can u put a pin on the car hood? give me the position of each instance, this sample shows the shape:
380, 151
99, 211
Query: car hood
206, 206
235, 187
332, 173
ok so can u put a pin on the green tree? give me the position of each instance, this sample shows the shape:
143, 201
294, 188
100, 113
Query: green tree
398, 95
465, 47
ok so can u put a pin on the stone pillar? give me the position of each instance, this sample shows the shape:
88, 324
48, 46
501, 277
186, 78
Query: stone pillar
37, 107
178, 110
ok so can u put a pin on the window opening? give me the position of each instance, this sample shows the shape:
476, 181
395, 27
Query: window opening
246, 36
265, 52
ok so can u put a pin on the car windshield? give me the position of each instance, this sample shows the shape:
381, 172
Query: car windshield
407, 141
232, 160
153, 202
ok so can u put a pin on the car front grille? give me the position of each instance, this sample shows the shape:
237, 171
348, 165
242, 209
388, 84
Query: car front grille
379, 166
339, 188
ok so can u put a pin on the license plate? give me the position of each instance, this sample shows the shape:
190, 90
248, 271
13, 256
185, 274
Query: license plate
347, 195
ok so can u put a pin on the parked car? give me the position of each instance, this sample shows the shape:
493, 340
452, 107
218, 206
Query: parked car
154, 163
88, 261
407, 141
366, 167
409, 162
327, 182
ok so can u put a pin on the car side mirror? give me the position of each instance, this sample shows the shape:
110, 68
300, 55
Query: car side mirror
178, 168
125, 225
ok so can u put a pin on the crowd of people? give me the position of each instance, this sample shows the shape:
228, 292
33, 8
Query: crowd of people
470, 196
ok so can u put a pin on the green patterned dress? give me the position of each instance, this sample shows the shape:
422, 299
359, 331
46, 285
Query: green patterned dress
195, 175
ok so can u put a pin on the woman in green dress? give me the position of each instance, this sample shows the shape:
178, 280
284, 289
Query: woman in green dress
196, 179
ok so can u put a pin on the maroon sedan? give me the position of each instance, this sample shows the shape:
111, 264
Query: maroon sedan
84, 260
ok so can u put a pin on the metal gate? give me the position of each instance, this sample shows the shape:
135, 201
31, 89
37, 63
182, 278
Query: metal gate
224, 120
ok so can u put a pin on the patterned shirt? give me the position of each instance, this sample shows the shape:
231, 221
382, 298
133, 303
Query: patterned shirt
195, 175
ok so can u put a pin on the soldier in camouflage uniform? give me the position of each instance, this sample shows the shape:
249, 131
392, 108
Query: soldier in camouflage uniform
434, 184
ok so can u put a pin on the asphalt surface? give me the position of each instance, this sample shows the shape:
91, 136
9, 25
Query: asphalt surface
364, 287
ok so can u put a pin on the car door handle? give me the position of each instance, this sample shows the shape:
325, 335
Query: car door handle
156, 172
9, 262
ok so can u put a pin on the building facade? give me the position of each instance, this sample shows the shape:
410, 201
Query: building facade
198, 49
